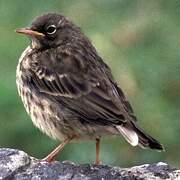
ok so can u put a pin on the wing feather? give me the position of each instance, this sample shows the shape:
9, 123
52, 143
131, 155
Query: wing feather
89, 92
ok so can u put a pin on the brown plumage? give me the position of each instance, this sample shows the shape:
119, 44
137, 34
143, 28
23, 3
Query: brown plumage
69, 91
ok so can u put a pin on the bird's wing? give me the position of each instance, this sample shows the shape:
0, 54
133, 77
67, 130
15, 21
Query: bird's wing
84, 87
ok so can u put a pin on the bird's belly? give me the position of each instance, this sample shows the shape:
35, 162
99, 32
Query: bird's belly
42, 114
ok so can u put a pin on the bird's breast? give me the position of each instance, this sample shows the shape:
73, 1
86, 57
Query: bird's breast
22, 89
41, 109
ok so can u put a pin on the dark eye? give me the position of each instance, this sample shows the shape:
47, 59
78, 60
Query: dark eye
51, 29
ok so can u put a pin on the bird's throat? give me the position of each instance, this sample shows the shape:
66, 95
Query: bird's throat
35, 44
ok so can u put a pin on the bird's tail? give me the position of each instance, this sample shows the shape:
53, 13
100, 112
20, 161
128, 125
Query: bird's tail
136, 136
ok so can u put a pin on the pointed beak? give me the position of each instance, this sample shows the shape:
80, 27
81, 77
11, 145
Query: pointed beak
29, 32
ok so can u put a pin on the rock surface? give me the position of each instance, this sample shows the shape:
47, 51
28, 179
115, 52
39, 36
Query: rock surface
17, 165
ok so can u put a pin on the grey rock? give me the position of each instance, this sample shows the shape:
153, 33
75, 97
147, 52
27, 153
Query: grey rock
17, 165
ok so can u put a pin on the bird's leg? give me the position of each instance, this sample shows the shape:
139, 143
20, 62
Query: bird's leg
50, 157
97, 162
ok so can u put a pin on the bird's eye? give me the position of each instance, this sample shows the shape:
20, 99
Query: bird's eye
51, 29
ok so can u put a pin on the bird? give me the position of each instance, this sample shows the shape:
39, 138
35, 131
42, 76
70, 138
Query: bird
69, 91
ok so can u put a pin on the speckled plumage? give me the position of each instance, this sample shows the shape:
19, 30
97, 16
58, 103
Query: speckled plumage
69, 91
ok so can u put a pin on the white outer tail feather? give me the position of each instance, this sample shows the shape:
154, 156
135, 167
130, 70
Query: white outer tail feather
129, 135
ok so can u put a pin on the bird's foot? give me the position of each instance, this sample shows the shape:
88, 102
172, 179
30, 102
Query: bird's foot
97, 162
49, 159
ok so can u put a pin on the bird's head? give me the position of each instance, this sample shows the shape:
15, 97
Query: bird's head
49, 30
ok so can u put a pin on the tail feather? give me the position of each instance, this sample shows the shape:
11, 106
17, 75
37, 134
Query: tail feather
129, 135
136, 136
146, 141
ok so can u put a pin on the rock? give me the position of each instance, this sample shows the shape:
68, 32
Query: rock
17, 165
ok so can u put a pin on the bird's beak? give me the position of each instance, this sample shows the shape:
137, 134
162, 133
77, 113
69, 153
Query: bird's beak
29, 32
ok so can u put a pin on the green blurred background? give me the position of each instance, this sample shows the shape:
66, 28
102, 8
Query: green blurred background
139, 40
